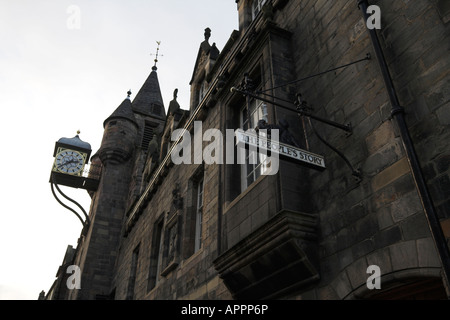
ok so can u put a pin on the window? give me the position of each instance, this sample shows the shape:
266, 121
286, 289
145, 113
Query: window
132, 280
199, 217
202, 91
255, 163
256, 7
147, 136
155, 254
192, 225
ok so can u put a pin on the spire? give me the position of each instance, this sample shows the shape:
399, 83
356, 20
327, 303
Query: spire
123, 111
148, 100
154, 68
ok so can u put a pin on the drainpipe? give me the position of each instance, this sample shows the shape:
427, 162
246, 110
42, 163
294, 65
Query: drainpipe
398, 114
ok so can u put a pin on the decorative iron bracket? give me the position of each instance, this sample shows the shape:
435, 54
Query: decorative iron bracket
304, 110
85, 222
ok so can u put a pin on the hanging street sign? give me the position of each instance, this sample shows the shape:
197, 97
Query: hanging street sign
288, 152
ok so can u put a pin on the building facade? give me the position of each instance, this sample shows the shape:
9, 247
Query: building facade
221, 229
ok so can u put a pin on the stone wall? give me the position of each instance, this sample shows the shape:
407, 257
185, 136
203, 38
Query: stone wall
377, 220
361, 220
194, 276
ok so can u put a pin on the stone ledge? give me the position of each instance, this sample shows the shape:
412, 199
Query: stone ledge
277, 258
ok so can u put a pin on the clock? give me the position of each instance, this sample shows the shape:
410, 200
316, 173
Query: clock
69, 162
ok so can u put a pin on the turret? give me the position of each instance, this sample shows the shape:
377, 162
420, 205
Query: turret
119, 137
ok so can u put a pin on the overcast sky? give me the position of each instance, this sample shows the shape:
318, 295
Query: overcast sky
66, 66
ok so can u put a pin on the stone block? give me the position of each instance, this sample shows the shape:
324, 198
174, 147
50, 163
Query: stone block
354, 213
387, 237
443, 163
415, 227
384, 218
384, 157
446, 227
429, 171
444, 10
443, 114
405, 206
357, 272
342, 285
259, 217
233, 237
443, 210
390, 174
404, 255
329, 268
380, 137
438, 94
362, 248
427, 253
440, 188
345, 258
382, 259
343, 239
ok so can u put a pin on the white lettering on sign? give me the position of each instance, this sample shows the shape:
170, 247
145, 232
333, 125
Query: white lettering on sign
280, 148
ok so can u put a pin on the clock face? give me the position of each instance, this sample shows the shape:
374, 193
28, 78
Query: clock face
69, 161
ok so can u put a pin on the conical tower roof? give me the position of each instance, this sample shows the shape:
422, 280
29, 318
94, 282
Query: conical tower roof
149, 100
124, 111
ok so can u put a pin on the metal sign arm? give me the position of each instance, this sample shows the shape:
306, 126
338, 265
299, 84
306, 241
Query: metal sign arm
301, 111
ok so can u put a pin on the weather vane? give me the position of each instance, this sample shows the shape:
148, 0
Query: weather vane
156, 55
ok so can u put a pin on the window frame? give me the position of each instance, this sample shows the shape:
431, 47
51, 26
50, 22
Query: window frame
133, 273
251, 169
156, 253
198, 233
257, 5
203, 89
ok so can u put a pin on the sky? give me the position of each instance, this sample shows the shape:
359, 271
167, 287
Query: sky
66, 66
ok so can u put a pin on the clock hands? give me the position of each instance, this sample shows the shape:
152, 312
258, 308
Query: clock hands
67, 162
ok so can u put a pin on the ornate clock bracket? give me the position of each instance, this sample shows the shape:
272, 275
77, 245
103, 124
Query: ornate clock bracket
71, 155
85, 222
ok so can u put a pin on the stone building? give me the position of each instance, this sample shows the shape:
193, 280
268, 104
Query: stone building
203, 230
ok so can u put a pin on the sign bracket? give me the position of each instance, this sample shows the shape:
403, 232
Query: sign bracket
303, 110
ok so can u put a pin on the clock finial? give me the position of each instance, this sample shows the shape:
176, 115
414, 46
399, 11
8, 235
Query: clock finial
78, 132
129, 94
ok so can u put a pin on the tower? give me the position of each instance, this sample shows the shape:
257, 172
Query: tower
123, 152
98, 249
